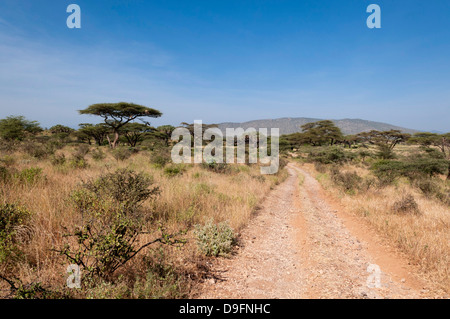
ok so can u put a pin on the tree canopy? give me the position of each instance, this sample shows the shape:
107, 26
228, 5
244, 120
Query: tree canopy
116, 115
98, 132
135, 132
320, 133
17, 127
389, 139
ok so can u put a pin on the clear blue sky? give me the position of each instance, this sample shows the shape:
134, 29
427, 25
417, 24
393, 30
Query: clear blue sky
228, 60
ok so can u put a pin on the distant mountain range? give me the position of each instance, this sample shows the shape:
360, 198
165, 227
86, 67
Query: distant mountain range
290, 125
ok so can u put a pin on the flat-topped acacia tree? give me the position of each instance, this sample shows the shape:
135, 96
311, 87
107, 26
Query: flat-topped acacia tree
116, 115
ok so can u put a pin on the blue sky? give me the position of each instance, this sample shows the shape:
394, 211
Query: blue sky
228, 60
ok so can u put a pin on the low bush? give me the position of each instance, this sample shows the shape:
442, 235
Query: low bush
174, 170
333, 155
35, 291
29, 176
388, 171
385, 152
124, 186
78, 161
111, 223
222, 168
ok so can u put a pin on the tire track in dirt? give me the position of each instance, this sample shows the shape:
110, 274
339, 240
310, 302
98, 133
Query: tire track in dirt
267, 264
298, 246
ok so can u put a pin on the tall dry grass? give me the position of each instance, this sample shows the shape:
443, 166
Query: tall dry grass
423, 236
195, 196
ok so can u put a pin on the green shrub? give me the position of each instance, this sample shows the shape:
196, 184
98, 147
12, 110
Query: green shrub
124, 186
78, 161
433, 153
30, 175
174, 170
215, 239
222, 168
333, 155
13, 222
389, 170
111, 223
385, 152
34, 291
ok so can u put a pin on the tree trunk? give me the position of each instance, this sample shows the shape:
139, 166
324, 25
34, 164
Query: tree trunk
116, 139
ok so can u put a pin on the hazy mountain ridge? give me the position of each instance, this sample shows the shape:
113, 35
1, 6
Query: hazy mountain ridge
290, 125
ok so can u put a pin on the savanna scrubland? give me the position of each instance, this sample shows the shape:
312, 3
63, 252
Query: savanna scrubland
399, 183
140, 226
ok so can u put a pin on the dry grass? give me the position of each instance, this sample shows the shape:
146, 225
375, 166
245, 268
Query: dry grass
423, 234
186, 199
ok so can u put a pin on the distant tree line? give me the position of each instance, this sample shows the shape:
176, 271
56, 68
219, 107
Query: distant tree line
326, 133
119, 127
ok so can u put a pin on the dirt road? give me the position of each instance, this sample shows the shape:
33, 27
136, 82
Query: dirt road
301, 245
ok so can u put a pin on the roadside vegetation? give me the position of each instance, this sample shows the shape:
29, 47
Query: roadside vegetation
107, 197
399, 183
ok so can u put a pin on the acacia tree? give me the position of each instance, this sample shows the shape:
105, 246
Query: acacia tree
61, 131
441, 141
116, 115
388, 139
425, 139
321, 132
17, 128
135, 132
385, 141
98, 132
164, 132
